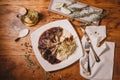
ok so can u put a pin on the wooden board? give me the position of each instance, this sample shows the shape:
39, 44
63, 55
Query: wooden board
12, 54
77, 4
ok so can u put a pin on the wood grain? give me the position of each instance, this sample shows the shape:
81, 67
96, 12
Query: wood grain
12, 54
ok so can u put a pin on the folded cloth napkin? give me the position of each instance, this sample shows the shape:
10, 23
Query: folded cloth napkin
102, 70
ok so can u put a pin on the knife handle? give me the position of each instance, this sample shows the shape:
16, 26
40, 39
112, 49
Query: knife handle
88, 67
95, 55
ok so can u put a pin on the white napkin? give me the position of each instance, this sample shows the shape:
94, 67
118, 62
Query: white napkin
104, 69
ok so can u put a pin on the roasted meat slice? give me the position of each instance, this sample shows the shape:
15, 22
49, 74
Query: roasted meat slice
52, 59
47, 44
47, 54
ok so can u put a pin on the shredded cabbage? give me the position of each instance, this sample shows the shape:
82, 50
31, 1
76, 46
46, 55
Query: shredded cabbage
65, 49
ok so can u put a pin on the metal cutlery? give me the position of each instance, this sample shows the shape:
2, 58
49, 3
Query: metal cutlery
95, 55
88, 39
87, 50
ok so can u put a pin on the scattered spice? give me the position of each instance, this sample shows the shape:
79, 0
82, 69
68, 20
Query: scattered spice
28, 67
30, 46
30, 64
23, 49
60, 77
68, 75
22, 44
38, 67
27, 48
53, 18
33, 71
27, 58
26, 44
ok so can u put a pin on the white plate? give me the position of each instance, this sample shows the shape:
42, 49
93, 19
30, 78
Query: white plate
65, 24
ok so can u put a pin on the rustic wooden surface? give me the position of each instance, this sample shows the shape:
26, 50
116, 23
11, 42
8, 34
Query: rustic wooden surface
12, 54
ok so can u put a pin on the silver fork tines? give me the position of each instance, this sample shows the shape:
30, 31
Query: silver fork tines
87, 46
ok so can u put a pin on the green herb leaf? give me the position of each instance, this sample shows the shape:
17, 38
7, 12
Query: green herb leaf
28, 59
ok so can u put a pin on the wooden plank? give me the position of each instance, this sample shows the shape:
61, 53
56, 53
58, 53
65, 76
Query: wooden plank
12, 55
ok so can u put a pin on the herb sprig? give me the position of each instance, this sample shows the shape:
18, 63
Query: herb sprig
75, 9
85, 14
98, 18
76, 12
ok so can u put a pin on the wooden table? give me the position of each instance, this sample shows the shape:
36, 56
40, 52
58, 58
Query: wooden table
13, 63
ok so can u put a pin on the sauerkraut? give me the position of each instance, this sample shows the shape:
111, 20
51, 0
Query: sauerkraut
66, 48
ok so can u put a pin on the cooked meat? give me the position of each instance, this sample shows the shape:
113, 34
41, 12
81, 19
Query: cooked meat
47, 44
47, 54
53, 59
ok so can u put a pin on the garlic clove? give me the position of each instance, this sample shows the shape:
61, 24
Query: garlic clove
59, 5
65, 10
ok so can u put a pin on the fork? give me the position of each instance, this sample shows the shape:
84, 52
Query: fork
87, 50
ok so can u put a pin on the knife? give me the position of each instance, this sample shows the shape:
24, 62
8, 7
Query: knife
88, 39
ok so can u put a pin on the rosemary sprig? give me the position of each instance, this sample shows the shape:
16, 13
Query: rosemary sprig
85, 14
75, 9
98, 18
86, 24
